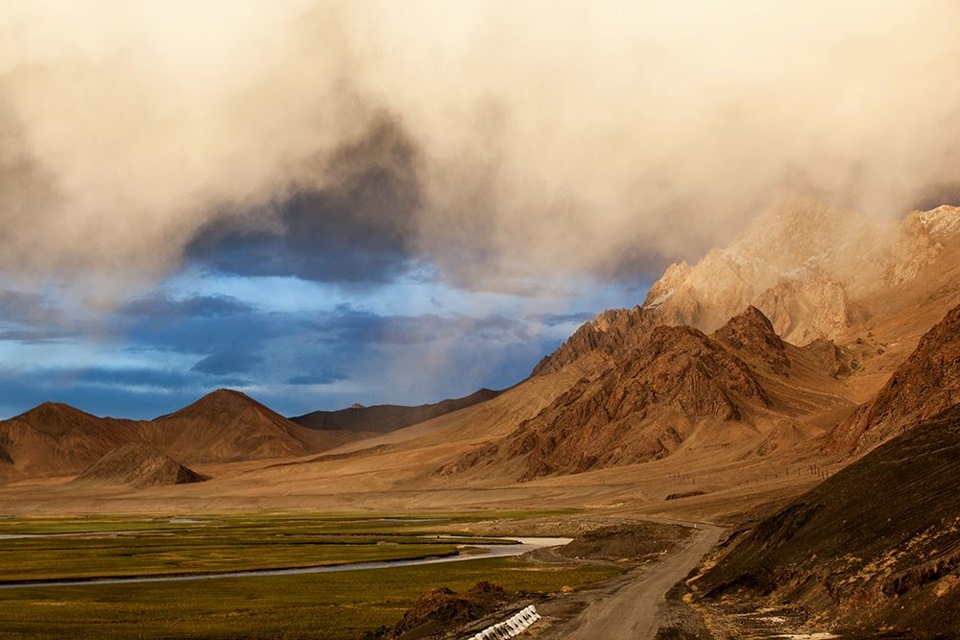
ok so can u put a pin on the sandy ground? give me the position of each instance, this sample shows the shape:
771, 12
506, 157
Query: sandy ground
630, 606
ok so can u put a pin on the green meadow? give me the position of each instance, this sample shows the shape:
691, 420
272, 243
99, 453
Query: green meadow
331, 605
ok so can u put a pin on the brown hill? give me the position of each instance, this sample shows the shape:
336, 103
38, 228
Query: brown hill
56, 439
923, 386
386, 418
653, 397
138, 465
228, 425
877, 546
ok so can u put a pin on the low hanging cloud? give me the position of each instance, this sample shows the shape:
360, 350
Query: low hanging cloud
534, 137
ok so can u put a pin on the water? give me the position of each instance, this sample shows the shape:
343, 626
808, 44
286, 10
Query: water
491, 551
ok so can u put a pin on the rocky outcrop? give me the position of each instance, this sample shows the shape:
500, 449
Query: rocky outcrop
751, 332
923, 386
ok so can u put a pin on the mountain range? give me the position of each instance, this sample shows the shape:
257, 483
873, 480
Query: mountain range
800, 385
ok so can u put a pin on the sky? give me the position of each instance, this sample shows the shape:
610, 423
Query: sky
322, 202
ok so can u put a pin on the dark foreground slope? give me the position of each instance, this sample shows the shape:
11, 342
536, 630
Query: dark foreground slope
875, 547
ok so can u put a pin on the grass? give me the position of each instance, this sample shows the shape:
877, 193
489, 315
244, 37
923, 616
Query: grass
333, 605
87, 548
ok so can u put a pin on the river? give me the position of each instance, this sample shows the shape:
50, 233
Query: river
491, 551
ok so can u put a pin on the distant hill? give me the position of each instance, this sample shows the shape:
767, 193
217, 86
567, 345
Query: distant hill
56, 439
228, 425
138, 465
877, 546
388, 417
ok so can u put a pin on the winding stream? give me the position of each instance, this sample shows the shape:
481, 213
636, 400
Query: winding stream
491, 551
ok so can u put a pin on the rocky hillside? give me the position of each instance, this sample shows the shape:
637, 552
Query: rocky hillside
138, 465
652, 397
609, 335
877, 546
924, 385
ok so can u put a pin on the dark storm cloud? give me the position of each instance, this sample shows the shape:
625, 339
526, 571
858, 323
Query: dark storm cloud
358, 230
161, 305
225, 363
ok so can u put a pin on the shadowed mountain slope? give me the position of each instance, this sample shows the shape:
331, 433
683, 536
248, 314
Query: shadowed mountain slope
386, 418
924, 385
877, 546
138, 465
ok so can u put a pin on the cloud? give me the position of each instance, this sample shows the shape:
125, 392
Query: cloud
317, 378
137, 378
161, 305
346, 325
357, 230
556, 319
224, 363
28, 308
346, 141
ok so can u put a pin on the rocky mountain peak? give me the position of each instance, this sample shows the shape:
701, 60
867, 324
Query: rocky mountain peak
611, 333
752, 333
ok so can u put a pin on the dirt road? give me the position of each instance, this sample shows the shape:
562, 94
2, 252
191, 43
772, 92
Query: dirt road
631, 609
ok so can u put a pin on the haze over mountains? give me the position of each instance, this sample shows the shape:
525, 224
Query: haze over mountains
662, 409
645, 381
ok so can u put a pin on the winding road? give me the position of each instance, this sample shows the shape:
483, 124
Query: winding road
633, 609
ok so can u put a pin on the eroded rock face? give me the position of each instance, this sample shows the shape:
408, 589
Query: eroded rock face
645, 405
610, 334
923, 386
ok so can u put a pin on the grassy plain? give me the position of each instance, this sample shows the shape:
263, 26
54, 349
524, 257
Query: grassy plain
332, 605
